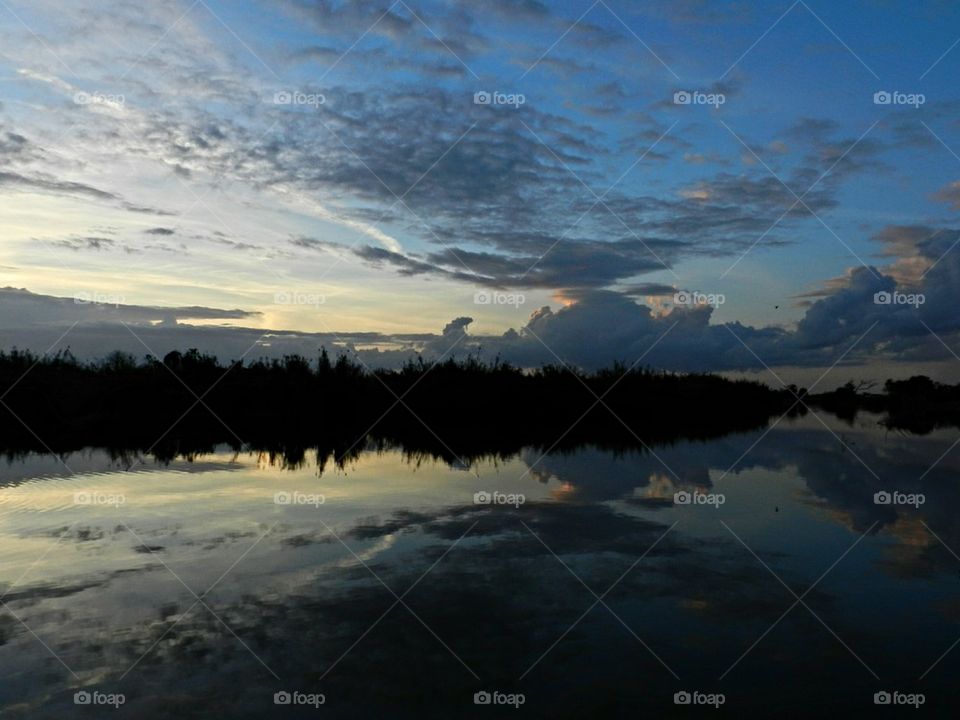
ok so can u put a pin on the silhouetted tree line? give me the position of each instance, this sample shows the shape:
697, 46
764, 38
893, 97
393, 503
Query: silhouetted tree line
918, 404
454, 409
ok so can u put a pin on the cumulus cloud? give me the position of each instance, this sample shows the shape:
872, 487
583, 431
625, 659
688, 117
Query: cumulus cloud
596, 329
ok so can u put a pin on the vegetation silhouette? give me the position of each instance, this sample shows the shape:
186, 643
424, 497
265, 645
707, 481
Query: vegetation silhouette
918, 405
459, 410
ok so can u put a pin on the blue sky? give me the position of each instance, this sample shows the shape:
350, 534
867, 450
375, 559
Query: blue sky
324, 168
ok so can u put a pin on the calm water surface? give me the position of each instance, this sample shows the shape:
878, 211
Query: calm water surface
203, 588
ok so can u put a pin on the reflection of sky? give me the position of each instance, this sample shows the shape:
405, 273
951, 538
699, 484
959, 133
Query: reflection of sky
100, 600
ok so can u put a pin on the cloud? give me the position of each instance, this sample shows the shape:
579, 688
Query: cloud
419, 181
49, 185
649, 290
949, 194
85, 243
925, 267
596, 329
22, 309
492, 191
476, 193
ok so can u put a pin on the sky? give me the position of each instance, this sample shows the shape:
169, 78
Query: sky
767, 188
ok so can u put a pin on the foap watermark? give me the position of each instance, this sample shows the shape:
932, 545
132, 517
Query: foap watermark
298, 498
692, 298
493, 297
499, 698
99, 98
895, 97
697, 97
496, 497
296, 697
899, 298
296, 97
685, 697
514, 100
95, 697
299, 298
95, 497
895, 697
683, 497
898, 498
98, 298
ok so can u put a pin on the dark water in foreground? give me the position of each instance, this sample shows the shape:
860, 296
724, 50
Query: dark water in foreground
194, 590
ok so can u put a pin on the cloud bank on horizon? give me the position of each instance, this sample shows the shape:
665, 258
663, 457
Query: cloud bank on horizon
690, 185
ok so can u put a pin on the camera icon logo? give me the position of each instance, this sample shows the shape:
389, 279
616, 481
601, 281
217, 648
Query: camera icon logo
482, 498
682, 97
82, 698
282, 98
882, 97
482, 698
282, 698
282, 498
882, 498
682, 698
682, 498
882, 698
482, 97
882, 298
482, 298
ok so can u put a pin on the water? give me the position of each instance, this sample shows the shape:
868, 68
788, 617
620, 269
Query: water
192, 592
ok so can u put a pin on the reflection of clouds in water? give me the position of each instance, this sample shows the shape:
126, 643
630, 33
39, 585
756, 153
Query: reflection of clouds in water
596, 474
846, 488
840, 480
499, 598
